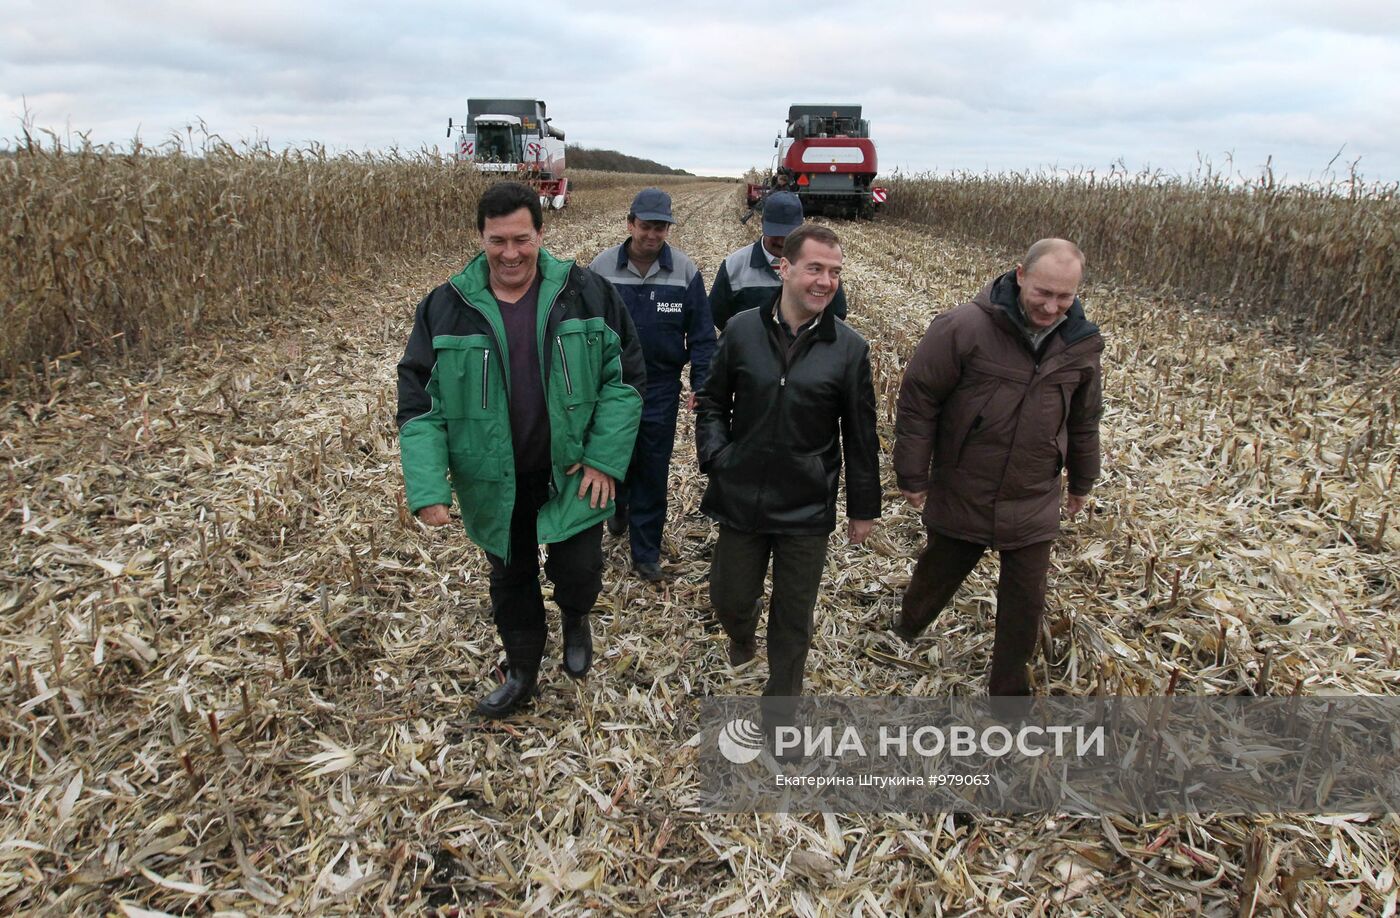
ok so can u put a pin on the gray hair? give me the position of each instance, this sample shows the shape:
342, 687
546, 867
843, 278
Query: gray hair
1051, 246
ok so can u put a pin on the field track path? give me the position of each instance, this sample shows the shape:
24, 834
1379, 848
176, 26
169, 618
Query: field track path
232, 665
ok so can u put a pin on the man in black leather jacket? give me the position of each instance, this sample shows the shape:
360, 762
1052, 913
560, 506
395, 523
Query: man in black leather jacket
789, 393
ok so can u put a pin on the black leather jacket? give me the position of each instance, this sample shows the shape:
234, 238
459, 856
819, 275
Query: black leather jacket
771, 429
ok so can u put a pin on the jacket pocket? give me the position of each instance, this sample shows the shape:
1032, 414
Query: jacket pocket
577, 367
969, 423
470, 468
480, 482
797, 489
721, 459
1056, 391
578, 358
578, 417
466, 376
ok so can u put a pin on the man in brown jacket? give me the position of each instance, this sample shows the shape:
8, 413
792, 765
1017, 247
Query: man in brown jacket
1002, 396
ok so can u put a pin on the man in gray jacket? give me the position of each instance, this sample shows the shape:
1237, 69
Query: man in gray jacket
748, 278
1001, 398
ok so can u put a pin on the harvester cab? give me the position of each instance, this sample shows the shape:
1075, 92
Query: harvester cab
514, 137
499, 147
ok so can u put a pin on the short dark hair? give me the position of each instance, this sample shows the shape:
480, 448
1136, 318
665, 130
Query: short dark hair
504, 198
792, 245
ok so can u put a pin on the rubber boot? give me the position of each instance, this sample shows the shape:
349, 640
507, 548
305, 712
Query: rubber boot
578, 644
523, 652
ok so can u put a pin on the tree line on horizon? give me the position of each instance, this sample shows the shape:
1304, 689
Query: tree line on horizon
580, 157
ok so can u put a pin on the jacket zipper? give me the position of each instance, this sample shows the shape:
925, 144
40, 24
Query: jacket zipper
786, 359
485, 378
564, 363
545, 367
546, 355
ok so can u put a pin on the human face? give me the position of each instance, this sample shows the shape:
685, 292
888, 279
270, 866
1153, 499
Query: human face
512, 246
774, 245
810, 282
648, 236
1048, 288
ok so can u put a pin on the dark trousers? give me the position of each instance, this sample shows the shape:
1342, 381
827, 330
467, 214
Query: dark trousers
575, 566
642, 495
941, 569
736, 586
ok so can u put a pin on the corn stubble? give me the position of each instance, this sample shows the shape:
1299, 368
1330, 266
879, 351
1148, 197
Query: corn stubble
238, 676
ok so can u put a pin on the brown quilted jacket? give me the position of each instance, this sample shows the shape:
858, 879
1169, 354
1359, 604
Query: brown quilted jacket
988, 428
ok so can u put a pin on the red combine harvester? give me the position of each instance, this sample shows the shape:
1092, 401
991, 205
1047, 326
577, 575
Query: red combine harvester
828, 158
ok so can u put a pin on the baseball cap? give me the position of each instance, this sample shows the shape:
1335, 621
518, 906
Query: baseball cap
652, 204
782, 213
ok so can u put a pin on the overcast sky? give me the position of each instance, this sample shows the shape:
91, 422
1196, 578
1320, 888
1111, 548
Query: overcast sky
997, 84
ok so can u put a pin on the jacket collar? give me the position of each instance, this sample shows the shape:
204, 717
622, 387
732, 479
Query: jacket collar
1004, 295
824, 330
758, 258
663, 261
473, 281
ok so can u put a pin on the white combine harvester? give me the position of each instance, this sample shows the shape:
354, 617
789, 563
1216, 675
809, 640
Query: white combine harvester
514, 136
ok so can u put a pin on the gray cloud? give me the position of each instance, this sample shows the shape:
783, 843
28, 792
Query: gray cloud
1002, 85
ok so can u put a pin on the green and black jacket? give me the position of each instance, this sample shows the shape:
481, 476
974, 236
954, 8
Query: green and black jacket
454, 399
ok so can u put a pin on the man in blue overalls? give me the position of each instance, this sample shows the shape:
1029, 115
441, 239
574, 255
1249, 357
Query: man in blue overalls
665, 294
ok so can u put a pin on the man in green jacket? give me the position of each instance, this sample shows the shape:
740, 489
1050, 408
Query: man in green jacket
520, 392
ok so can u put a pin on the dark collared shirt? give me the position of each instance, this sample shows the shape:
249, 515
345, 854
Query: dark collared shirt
529, 415
786, 334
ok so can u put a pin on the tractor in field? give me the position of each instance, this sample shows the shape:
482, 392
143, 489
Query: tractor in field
828, 159
514, 137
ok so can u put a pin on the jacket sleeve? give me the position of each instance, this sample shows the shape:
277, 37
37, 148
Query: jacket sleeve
860, 441
838, 303
931, 376
422, 428
721, 298
1085, 409
607, 445
699, 331
714, 406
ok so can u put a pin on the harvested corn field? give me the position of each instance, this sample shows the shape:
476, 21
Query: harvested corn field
238, 677
1316, 256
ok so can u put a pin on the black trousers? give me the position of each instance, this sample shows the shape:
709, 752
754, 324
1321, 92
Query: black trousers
941, 569
736, 586
575, 566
